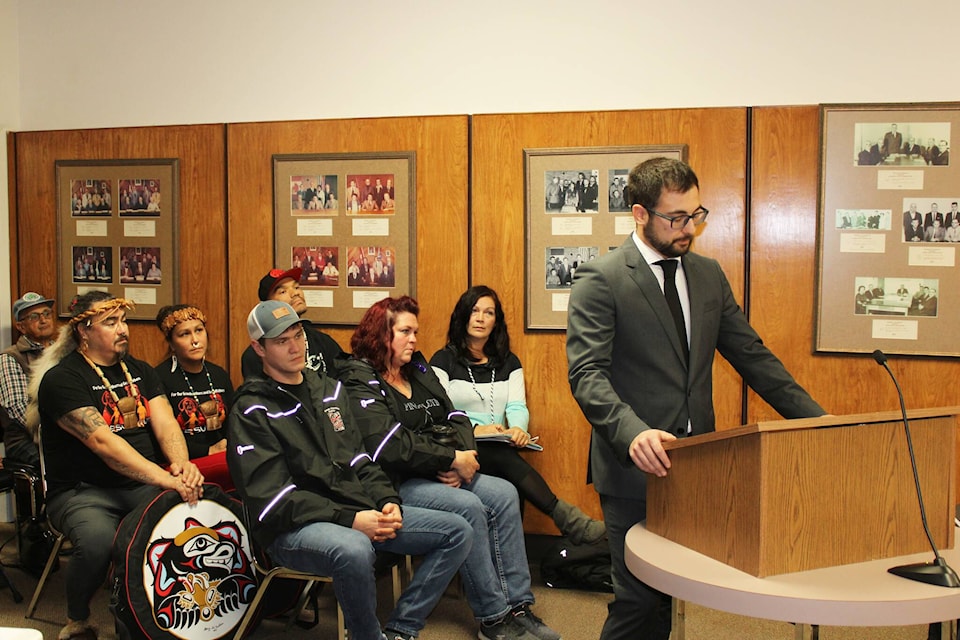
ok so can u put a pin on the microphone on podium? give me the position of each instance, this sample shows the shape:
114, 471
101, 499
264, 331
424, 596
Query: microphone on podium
937, 572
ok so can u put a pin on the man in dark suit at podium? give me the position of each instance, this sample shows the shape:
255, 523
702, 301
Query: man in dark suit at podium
640, 381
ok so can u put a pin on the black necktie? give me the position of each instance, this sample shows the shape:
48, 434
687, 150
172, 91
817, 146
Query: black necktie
673, 301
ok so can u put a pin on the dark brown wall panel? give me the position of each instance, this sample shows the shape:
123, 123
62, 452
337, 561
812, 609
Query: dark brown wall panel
783, 273
202, 225
717, 152
441, 147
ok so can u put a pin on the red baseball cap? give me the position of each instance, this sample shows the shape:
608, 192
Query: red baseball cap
270, 281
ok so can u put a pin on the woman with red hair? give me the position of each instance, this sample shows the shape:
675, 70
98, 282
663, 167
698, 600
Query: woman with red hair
426, 446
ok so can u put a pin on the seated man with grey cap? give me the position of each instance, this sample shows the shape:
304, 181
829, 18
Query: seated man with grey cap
36, 322
321, 350
318, 501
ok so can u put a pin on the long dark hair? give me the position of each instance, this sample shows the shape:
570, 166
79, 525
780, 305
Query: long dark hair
497, 347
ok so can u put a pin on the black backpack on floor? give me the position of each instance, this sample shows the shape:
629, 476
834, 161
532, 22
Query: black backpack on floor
182, 571
583, 566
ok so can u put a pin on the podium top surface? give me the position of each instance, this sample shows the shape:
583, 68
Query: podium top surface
862, 594
770, 426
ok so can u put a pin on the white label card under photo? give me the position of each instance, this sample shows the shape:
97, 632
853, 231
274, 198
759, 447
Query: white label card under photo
559, 301
862, 242
624, 225
931, 256
365, 299
895, 329
140, 228
900, 179
315, 227
95, 228
322, 298
141, 295
371, 227
571, 226
82, 289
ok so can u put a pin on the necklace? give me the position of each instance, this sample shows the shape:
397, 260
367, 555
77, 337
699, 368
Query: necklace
193, 392
210, 409
133, 393
398, 382
473, 382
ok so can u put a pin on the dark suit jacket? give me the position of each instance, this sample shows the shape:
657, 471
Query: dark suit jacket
626, 365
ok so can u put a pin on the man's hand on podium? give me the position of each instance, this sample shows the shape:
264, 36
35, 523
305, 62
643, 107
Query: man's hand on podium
647, 452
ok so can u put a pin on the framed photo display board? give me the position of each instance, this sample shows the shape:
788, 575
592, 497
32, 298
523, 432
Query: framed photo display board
117, 231
889, 230
575, 212
348, 220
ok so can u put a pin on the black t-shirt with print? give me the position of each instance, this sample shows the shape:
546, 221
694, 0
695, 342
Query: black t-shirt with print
73, 384
421, 409
187, 403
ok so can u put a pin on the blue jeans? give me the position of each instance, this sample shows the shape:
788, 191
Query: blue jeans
347, 556
90, 516
496, 576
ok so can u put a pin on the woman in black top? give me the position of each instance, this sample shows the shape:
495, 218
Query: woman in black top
200, 392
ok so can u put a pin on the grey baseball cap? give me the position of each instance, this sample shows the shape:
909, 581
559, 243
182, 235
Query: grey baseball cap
270, 318
29, 299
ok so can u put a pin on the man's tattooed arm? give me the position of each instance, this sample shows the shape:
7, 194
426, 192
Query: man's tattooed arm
87, 425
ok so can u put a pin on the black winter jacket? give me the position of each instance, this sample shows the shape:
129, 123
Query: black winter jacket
294, 465
403, 452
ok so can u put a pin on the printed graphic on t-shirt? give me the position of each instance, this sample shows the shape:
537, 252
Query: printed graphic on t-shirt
193, 415
113, 414
413, 405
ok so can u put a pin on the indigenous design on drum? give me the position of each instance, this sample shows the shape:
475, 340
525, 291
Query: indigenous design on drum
199, 575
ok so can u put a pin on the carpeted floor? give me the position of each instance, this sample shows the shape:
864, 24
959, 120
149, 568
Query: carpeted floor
577, 615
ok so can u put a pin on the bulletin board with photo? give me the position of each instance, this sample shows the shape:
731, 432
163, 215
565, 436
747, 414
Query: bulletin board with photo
348, 221
117, 228
889, 230
575, 211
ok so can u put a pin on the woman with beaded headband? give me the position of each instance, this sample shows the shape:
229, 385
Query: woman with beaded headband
199, 391
110, 442
484, 378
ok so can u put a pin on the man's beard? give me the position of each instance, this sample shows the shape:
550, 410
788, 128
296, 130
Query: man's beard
666, 248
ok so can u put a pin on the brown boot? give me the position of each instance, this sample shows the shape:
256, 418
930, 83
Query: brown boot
78, 630
576, 525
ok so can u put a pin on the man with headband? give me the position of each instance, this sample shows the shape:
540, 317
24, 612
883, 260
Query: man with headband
108, 431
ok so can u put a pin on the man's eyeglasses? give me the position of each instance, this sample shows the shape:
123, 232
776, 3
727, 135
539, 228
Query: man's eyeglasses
35, 316
679, 222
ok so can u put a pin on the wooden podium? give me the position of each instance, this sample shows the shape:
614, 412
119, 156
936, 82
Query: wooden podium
792, 495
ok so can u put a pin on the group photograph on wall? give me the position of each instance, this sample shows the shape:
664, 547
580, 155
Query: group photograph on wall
348, 221
889, 230
116, 219
575, 211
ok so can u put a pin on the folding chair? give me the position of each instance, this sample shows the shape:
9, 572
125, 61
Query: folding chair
267, 574
57, 544
6, 486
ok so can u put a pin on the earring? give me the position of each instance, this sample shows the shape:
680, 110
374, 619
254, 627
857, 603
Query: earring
173, 363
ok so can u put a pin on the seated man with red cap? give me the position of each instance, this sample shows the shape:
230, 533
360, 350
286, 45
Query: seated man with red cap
322, 350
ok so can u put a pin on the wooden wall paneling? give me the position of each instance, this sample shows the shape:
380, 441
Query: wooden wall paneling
785, 156
202, 223
442, 187
783, 274
716, 139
